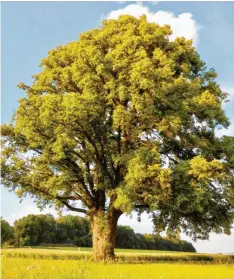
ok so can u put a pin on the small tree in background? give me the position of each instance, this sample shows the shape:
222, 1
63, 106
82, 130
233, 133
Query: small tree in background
7, 233
74, 229
124, 120
35, 229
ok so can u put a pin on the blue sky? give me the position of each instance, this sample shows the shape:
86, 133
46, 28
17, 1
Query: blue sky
30, 29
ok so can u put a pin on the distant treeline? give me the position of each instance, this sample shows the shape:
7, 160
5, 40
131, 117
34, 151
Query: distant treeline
69, 230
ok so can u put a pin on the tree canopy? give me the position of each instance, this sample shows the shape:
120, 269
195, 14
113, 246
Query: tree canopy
45, 229
124, 119
33, 229
6, 232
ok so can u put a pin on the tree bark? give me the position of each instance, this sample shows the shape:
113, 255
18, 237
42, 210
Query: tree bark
104, 225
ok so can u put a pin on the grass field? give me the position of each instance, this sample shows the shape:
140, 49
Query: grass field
72, 263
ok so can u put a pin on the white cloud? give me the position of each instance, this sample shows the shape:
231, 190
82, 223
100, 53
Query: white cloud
120, 2
181, 25
35, 210
27, 209
14, 210
154, 3
145, 226
217, 243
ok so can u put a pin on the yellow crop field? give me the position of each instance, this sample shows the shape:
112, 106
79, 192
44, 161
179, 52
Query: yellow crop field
123, 255
30, 263
70, 269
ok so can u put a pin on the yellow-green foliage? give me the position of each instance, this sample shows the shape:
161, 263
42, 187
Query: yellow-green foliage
41, 269
124, 119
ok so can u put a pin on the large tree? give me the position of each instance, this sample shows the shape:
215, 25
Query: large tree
124, 119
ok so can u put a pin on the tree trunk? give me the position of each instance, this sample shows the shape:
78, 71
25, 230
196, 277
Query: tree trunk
104, 227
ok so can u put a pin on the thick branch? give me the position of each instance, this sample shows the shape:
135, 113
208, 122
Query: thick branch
81, 210
76, 170
90, 179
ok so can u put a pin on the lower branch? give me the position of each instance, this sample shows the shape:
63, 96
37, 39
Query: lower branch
81, 210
